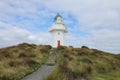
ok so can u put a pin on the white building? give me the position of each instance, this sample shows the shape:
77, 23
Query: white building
58, 32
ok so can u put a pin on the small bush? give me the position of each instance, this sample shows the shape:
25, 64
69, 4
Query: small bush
45, 48
70, 46
85, 47
31, 62
61, 47
22, 55
5, 54
84, 52
14, 63
86, 60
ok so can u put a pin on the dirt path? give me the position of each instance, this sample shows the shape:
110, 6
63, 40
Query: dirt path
45, 70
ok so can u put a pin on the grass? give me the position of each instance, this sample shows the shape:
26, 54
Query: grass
18, 61
113, 75
86, 64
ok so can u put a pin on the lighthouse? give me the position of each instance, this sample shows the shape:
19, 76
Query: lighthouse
58, 32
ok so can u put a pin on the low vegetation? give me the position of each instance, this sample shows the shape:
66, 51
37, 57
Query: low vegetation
86, 64
17, 61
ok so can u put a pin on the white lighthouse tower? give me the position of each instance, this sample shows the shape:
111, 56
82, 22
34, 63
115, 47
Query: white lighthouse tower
58, 32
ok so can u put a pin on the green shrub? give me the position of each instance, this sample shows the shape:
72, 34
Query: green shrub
22, 55
86, 60
45, 48
31, 62
85, 47
61, 48
14, 63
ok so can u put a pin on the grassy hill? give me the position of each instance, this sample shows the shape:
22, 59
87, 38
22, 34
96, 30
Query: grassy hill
17, 61
86, 64
73, 63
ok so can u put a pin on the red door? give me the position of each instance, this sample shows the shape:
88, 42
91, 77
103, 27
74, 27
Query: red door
58, 43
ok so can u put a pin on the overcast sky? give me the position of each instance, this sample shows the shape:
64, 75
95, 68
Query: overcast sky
94, 23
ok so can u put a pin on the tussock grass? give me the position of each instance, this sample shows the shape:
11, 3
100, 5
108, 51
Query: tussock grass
17, 61
85, 64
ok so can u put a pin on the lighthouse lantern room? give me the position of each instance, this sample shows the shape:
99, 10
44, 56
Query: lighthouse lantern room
58, 32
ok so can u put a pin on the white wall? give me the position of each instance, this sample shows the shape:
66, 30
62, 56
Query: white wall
55, 37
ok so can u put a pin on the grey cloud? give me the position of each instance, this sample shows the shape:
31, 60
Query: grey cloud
11, 35
100, 19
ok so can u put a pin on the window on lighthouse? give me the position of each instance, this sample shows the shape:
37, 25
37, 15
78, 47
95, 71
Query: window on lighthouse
58, 33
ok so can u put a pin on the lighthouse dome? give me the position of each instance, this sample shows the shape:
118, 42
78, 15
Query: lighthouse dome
58, 24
